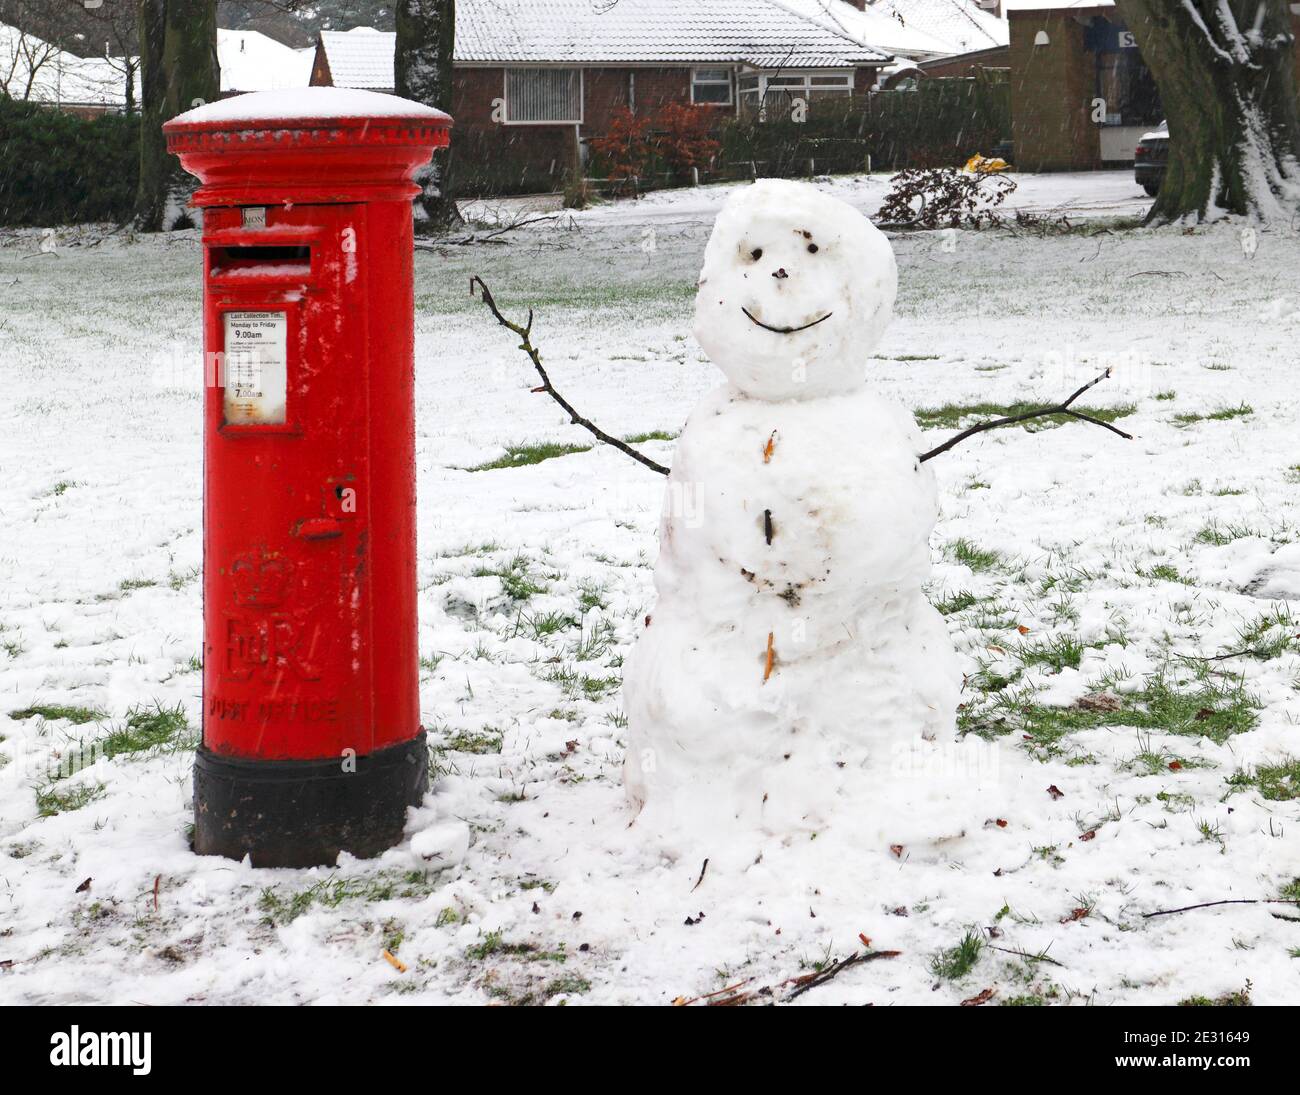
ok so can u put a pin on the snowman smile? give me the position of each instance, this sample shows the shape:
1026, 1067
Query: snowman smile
783, 330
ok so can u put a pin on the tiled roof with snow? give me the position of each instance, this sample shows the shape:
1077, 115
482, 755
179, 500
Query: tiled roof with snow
961, 25
593, 31
360, 58
871, 28
763, 33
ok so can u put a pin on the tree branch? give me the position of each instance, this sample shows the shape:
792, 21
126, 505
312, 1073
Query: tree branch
1233, 901
1042, 412
535, 355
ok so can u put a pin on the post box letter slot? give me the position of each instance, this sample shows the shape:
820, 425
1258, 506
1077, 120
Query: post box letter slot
257, 367
261, 261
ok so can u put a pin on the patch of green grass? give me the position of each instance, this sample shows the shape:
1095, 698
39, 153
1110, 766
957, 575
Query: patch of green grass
1057, 653
1290, 891
955, 962
494, 944
126, 585
517, 581
1277, 782
54, 712
488, 740
53, 799
282, 906
1164, 572
545, 624
522, 455
591, 595
179, 579
574, 683
1268, 636
1217, 535
1238, 999
595, 642
1025, 1001
1166, 395
147, 728
569, 985
951, 416
1222, 414
957, 602
1214, 704
651, 435
977, 558
63, 485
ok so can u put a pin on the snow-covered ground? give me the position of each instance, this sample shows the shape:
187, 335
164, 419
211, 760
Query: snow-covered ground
1070, 564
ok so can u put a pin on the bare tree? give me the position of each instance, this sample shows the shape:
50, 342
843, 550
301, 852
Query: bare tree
1226, 74
178, 70
426, 45
23, 56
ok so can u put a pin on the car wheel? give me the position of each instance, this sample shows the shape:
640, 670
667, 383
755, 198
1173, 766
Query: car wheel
1151, 188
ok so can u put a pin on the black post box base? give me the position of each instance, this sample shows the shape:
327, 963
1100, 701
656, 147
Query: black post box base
302, 813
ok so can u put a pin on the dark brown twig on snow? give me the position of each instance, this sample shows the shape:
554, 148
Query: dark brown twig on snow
1212, 904
813, 980
535, 355
1042, 412
701, 878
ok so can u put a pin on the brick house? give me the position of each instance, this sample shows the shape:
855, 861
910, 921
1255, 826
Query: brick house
533, 82
1081, 95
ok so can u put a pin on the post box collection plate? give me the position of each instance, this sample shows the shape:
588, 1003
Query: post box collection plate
312, 743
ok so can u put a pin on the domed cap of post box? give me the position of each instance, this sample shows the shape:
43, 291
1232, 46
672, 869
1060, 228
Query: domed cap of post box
313, 144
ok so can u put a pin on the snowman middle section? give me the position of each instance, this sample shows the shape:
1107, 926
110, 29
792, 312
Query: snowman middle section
791, 644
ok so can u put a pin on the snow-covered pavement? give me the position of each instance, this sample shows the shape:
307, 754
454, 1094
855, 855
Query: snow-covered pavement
1148, 578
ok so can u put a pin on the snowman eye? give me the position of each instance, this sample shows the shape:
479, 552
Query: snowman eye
812, 249
756, 254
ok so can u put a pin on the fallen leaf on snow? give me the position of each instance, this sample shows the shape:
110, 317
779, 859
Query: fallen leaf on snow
1099, 701
979, 998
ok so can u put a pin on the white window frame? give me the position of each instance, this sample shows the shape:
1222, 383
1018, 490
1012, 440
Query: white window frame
730, 82
582, 94
798, 83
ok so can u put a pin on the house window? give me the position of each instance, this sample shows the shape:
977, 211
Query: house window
773, 96
543, 96
712, 86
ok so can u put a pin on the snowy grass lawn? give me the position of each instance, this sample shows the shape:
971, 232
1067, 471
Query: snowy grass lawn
1123, 610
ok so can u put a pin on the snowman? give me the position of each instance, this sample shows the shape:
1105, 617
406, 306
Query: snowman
791, 648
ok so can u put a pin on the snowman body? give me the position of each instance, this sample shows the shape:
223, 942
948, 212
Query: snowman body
791, 647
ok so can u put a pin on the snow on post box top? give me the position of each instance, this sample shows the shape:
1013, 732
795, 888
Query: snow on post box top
314, 144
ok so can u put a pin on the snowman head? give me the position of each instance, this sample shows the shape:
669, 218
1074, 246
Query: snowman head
796, 290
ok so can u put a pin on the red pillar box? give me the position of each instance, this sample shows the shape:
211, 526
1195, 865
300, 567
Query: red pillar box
312, 741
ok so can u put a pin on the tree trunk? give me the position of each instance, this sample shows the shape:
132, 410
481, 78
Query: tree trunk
178, 70
1226, 74
426, 42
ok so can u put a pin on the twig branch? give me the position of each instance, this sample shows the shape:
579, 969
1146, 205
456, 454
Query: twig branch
813, 980
1212, 904
483, 237
1042, 412
524, 332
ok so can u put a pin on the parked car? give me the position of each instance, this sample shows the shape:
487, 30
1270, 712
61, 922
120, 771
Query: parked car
1150, 158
